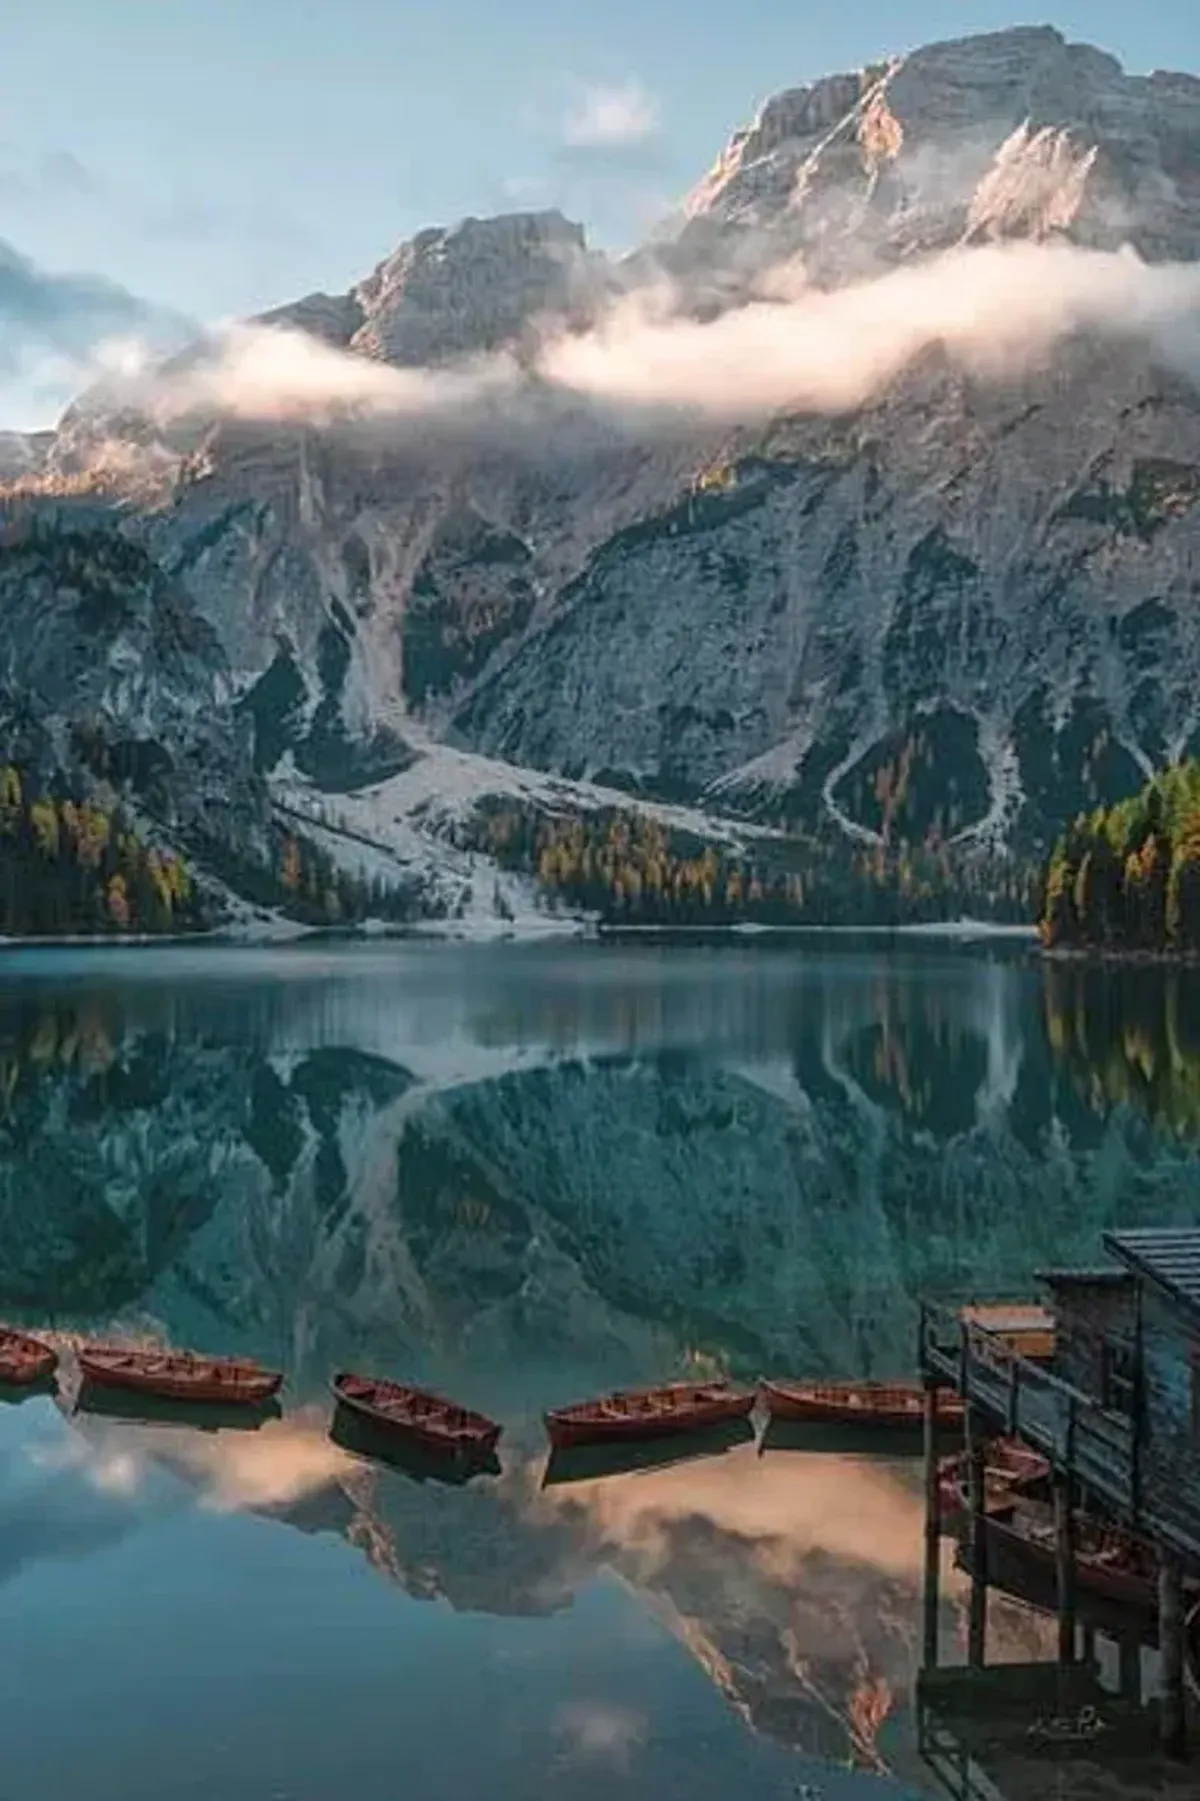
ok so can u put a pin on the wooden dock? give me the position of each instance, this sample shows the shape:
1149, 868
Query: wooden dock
1105, 1385
1089, 1444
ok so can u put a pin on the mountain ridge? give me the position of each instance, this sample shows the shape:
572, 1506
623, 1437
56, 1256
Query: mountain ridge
956, 613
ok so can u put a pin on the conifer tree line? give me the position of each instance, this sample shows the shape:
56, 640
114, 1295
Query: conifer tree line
628, 867
78, 865
1127, 877
70, 865
307, 884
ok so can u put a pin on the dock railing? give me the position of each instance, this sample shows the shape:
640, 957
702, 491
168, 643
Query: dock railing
1025, 1400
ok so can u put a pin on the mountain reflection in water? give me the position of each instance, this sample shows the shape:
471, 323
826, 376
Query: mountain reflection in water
521, 1177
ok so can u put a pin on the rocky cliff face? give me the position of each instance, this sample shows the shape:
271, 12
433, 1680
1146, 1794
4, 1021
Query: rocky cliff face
105, 665
966, 607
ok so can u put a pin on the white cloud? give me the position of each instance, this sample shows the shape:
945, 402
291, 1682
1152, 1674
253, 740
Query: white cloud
276, 374
994, 309
612, 118
596, 1729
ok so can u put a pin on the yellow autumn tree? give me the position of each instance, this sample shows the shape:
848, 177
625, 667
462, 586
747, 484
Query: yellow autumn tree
117, 901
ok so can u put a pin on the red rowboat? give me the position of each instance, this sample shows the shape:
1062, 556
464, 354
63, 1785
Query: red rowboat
1010, 1469
180, 1375
415, 1414
889, 1404
648, 1413
23, 1359
1108, 1560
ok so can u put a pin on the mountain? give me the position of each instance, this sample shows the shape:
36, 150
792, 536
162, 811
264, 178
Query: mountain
951, 609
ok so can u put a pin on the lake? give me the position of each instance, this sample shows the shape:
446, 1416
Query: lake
522, 1175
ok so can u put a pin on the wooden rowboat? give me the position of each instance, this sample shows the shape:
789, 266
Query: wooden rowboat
180, 1375
414, 1414
1010, 1469
1109, 1561
25, 1360
883, 1404
648, 1413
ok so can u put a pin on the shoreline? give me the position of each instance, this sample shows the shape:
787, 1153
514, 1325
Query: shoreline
288, 932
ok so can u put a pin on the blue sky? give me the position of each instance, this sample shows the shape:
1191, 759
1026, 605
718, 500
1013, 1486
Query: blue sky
218, 156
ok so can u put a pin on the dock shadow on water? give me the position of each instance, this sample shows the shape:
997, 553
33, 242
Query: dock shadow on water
588, 1463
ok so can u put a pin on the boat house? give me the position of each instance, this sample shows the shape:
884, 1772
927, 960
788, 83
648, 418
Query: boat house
1112, 1402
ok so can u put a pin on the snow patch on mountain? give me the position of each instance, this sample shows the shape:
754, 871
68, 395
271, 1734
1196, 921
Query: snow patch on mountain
406, 832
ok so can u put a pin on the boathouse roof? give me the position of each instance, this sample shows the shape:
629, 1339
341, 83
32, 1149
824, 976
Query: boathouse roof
1102, 1277
1168, 1256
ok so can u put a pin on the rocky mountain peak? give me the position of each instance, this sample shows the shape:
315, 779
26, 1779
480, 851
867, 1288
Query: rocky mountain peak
457, 291
1010, 133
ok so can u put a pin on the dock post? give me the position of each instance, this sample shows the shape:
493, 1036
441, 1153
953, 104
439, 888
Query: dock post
933, 1529
977, 1492
1064, 1550
1130, 1679
1172, 1727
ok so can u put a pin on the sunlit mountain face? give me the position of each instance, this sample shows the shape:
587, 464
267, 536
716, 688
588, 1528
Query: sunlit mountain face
524, 1177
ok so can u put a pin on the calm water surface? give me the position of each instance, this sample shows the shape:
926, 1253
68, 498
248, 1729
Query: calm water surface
521, 1175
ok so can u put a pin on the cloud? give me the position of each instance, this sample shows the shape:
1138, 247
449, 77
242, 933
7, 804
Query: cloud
595, 1729
69, 314
794, 348
52, 175
277, 374
61, 172
995, 309
608, 119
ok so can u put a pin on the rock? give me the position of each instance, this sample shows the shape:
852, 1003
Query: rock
22, 453
107, 669
476, 287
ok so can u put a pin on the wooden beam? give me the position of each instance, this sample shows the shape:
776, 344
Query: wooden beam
1130, 1680
977, 1493
1172, 1726
1139, 1410
1064, 1557
933, 1529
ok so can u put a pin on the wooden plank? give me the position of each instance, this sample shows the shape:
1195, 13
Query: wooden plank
1065, 1567
977, 1492
933, 1527
1170, 1638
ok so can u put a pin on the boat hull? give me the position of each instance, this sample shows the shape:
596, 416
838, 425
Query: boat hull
209, 1381
878, 1406
25, 1361
1010, 1471
678, 1410
1130, 1589
434, 1429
